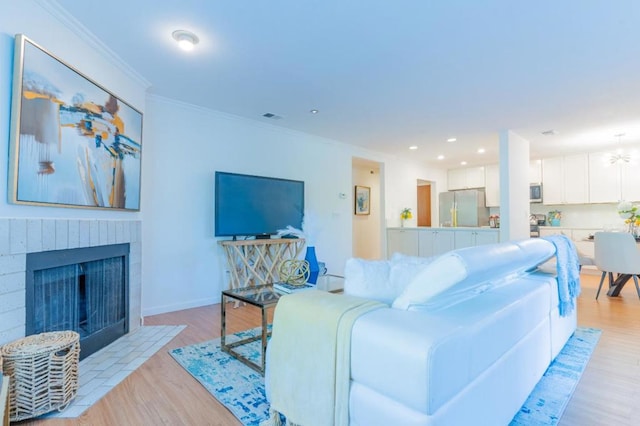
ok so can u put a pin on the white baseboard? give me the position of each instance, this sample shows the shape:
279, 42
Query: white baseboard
178, 306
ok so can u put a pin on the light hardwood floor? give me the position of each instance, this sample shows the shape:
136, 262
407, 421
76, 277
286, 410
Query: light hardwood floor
160, 392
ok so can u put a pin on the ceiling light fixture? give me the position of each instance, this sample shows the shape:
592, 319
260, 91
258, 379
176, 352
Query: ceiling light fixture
619, 156
413, 147
481, 150
550, 132
464, 163
314, 111
440, 157
452, 140
186, 39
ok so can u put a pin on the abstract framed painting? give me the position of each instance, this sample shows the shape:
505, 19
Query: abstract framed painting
362, 200
73, 143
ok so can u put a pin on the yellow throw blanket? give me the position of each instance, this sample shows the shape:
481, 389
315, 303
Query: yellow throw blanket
309, 357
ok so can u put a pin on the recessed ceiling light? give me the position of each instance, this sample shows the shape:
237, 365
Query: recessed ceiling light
464, 163
550, 132
413, 147
480, 150
186, 39
314, 111
452, 140
440, 157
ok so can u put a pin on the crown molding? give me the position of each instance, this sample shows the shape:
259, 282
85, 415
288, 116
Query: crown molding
69, 21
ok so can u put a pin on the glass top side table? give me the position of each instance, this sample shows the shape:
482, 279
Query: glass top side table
263, 297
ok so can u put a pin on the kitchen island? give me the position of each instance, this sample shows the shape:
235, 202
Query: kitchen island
427, 241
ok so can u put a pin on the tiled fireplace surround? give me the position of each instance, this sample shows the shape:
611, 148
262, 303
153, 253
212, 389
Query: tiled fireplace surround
21, 236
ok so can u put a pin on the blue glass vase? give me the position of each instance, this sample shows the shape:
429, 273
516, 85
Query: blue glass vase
314, 268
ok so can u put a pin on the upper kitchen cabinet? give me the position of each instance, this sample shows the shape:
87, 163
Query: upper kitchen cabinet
610, 183
565, 180
471, 177
630, 182
535, 171
604, 179
492, 181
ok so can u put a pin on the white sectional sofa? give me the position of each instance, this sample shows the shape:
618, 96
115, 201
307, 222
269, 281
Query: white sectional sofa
468, 353
459, 339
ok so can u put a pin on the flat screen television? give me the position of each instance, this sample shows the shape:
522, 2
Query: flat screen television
256, 206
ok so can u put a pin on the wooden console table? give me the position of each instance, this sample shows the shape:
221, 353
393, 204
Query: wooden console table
256, 262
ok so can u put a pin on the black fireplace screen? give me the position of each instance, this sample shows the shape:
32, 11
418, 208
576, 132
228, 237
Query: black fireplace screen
84, 290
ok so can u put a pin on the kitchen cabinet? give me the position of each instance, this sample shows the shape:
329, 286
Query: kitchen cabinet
610, 183
565, 180
492, 181
579, 236
403, 241
475, 237
436, 241
426, 242
471, 177
535, 171
604, 179
629, 182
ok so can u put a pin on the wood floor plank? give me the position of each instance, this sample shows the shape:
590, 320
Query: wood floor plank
161, 392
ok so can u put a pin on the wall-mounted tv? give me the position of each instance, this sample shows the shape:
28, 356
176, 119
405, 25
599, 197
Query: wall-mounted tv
256, 206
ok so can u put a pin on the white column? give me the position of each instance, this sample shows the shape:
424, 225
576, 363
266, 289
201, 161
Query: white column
514, 186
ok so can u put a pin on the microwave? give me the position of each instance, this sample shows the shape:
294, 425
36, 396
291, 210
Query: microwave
535, 193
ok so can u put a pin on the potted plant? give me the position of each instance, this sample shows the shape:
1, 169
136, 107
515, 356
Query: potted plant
406, 214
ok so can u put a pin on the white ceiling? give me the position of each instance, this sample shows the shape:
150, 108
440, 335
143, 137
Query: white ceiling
390, 74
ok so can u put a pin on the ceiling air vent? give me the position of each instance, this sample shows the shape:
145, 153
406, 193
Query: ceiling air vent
271, 116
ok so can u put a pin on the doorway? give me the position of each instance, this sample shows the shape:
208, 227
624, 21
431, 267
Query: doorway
368, 239
424, 203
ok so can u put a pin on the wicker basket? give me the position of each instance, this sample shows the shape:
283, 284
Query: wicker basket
44, 373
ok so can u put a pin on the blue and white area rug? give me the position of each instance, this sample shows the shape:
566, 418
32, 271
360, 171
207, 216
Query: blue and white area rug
241, 389
551, 395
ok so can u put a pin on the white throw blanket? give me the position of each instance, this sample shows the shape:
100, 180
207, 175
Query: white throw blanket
309, 357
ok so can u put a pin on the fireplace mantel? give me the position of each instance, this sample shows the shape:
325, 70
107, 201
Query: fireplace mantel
21, 236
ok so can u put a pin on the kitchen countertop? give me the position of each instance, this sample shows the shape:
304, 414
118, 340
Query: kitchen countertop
447, 228
579, 228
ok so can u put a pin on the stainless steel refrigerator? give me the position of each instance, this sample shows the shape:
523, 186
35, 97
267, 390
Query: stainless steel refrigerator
463, 208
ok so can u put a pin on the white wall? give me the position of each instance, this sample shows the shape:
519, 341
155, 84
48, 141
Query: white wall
401, 179
514, 186
182, 264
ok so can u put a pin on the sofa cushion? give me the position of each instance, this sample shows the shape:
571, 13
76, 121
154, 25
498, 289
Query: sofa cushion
382, 280
403, 270
368, 279
433, 279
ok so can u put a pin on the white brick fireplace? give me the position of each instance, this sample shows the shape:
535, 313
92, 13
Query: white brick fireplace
21, 236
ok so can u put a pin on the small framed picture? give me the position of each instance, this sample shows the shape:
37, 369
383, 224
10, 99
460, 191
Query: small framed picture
362, 199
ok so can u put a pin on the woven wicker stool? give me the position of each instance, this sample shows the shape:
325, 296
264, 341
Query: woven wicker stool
44, 373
